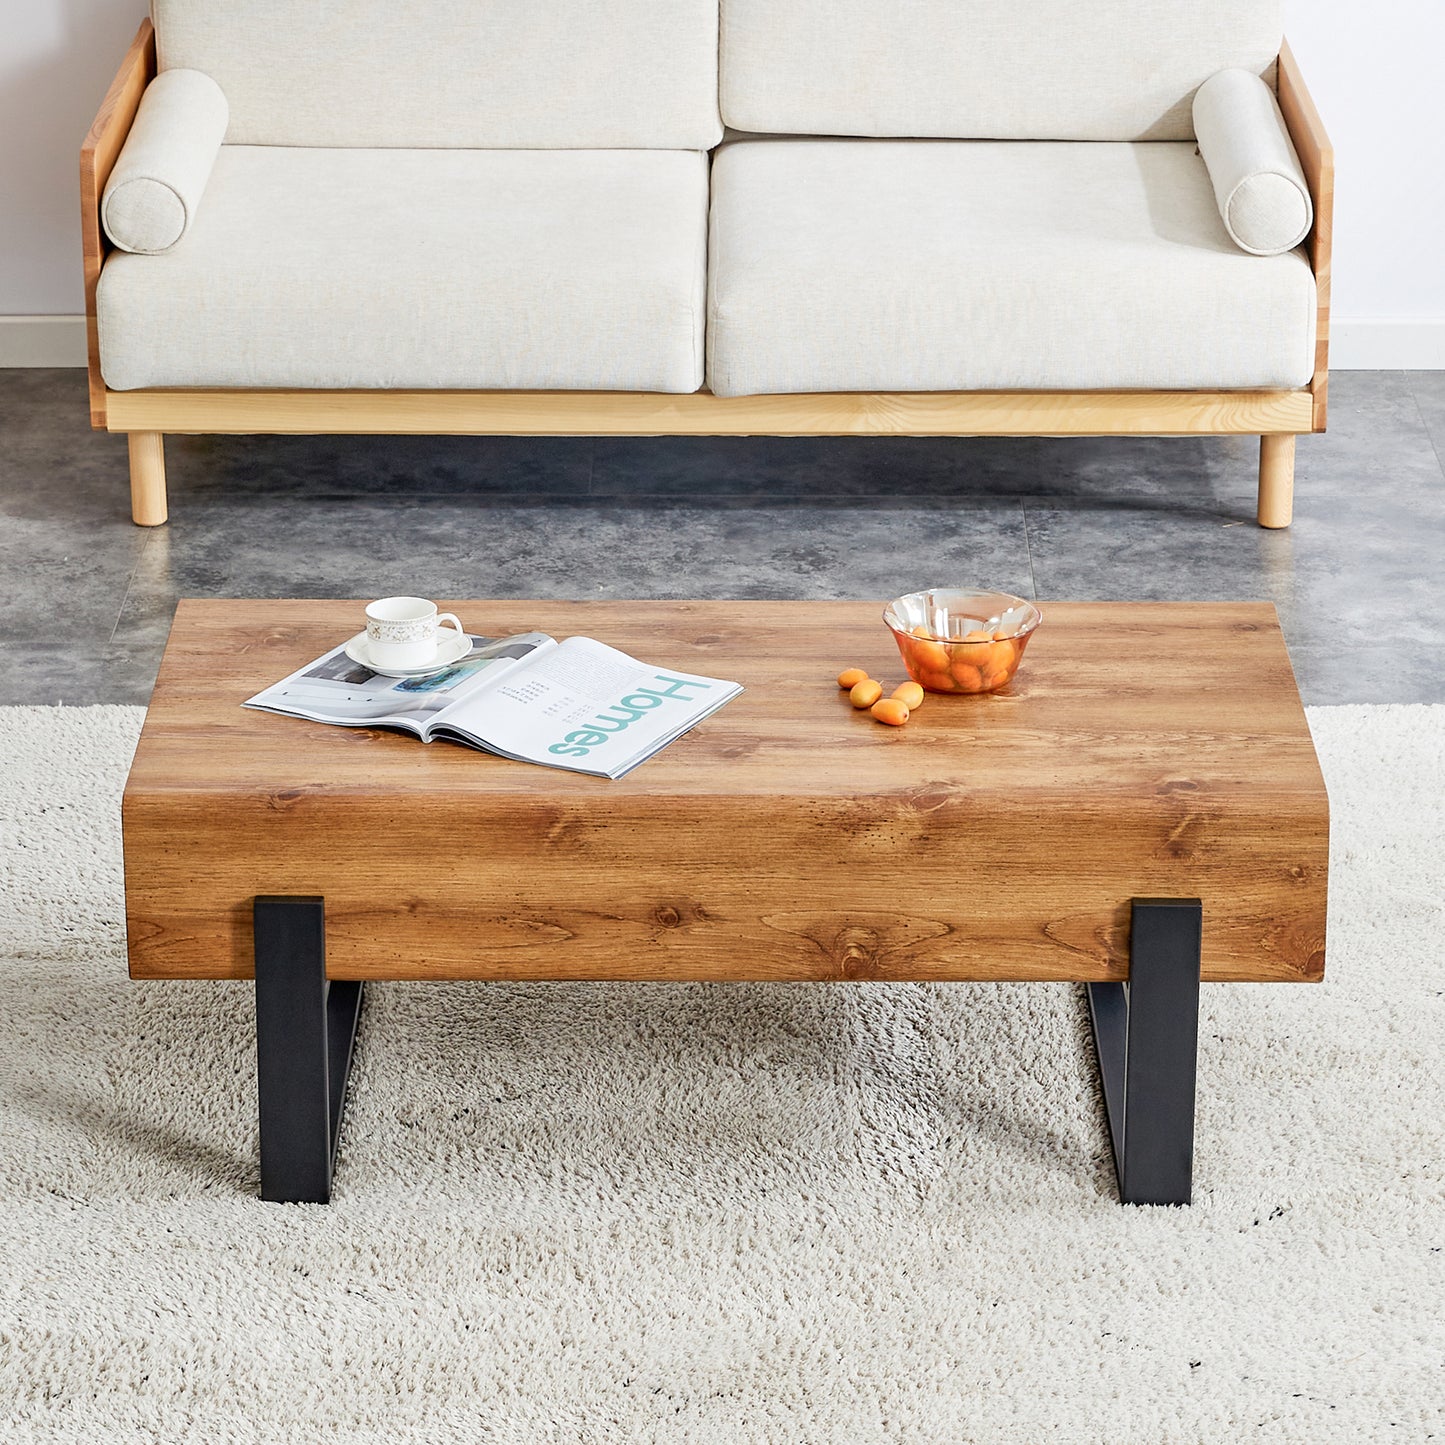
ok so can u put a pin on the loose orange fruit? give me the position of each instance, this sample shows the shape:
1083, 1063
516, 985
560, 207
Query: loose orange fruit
910, 694
891, 710
865, 693
850, 677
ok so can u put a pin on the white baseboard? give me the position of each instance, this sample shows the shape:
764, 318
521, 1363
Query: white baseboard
1354, 345
1387, 345
42, 341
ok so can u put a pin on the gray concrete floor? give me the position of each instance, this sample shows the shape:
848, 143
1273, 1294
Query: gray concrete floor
86, 598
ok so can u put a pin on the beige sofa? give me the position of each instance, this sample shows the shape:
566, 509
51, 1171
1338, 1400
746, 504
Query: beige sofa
709, 217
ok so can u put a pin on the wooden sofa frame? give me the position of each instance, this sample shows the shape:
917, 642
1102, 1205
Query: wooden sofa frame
145, 416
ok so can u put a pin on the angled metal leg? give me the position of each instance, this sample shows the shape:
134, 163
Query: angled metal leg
305, 1033
1146, 1033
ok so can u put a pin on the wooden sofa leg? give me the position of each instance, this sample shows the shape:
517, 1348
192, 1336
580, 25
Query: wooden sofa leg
147, 478
1276, 480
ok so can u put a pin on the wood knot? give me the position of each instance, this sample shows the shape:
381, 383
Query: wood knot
871, 946
1186, 836
856, 951
673, 915
734, 749
563, 831
932, 796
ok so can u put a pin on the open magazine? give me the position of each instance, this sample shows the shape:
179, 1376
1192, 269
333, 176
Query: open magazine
577, 704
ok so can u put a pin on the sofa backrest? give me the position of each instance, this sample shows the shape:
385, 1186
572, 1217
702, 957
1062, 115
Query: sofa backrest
530, 74
985, 69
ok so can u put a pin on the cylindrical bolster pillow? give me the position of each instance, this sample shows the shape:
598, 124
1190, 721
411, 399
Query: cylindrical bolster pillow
1252, 163
162, 170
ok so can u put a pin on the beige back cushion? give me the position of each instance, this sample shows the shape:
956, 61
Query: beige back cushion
530, 74
985, 69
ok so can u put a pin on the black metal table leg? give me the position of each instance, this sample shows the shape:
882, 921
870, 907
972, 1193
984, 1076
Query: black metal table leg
305, 1033
1146, 1033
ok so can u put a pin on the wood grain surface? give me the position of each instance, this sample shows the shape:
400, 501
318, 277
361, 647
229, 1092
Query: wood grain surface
98, 153
1143, 749
700, 413
1276, 481
1317, 160
148, 506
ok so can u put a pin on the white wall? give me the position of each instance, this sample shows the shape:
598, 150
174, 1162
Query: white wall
1372, 64
1373, 68
56, 59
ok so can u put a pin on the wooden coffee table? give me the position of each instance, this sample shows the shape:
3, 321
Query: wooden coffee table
1140, 809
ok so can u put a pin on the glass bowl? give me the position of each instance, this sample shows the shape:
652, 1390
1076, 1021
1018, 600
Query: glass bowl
954, 640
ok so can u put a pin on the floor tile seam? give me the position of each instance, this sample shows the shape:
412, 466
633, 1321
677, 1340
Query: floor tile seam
832, 499
381, 496
1425, 422
591, 466
140, 557
1029, 549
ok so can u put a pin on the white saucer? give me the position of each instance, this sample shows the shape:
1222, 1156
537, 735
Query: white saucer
452, 648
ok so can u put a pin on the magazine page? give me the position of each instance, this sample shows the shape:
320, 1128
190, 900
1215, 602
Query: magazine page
335, 689
587, 707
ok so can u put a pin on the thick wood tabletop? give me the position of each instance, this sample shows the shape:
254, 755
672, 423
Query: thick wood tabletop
1142, 750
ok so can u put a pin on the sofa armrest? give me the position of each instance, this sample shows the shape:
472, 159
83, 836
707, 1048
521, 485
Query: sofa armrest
1317, 156
98, 152
1258, 183
161, 173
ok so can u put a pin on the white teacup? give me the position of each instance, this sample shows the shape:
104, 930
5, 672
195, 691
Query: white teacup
402, 631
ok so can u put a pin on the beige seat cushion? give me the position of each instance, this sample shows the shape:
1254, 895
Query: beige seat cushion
579, 270
957, 265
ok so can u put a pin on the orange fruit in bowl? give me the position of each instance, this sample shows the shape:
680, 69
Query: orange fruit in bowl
929, 656
960, 652
989, 656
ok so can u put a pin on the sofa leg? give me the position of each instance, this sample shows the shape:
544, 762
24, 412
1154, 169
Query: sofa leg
147, 478
1276, 480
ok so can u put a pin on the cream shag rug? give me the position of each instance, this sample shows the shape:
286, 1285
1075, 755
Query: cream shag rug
719, 1213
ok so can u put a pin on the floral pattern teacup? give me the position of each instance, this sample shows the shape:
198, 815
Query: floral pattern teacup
402, 631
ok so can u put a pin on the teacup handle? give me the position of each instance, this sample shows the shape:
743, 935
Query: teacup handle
454, 620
